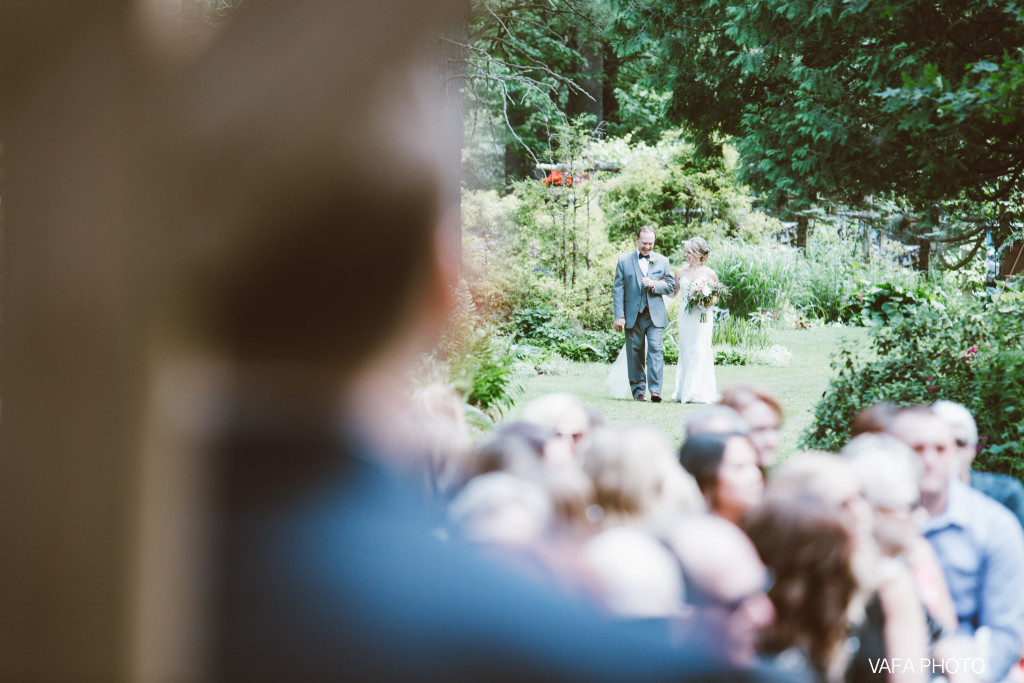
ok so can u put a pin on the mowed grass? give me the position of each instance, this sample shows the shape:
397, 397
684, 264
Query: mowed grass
799, 385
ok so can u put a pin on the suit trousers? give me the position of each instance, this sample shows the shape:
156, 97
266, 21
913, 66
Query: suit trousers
642, 329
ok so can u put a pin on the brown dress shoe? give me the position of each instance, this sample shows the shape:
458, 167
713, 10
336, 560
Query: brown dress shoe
639, 397
655, 398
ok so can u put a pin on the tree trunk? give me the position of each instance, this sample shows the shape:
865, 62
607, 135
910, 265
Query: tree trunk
590, 80
609, 101
801, 231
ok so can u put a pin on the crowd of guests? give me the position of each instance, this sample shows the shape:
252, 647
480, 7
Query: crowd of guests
891, 560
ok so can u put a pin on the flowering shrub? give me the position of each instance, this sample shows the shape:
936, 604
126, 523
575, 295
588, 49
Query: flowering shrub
970, 356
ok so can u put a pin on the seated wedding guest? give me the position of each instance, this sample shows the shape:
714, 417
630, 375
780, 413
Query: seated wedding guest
502, 509
324, 567
1000, 487
715, 418
566, 415
874, 419
636, 477
890, 476
885, 616
511, 520
513, 446
432, 441
979, 543
636, 576
537, 454
725, 468
725, 583
762, 412
810, 551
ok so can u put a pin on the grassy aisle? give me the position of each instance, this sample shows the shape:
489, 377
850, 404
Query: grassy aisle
799, 385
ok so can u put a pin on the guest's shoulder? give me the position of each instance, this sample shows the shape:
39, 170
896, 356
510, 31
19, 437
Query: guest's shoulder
992, 519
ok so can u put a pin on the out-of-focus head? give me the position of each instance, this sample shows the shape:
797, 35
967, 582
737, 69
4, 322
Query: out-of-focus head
726, 582
431, 438
931, 438
515, 446
289, 237
808, 546
965, 430
827, 478
890, 479
761, 410
888, 471
635, 474
715, 418
874, 419
637, 576
725, 468
566, 415
503, 509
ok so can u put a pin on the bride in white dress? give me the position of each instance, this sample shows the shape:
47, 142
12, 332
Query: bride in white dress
695, 377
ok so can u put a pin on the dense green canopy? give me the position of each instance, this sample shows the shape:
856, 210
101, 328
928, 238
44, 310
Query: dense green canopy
844, 100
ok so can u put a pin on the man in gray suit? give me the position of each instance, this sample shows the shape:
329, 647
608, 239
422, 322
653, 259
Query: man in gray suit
641, 279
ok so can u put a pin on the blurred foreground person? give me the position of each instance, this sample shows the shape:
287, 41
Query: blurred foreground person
978, 541
636, 477
565, 414
726, 585
999, 487
637, 577
714, 418
884, 615
324, 566
762, 412
890, 477
810, 550
725, 467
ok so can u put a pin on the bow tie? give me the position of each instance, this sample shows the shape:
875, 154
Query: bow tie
646, 257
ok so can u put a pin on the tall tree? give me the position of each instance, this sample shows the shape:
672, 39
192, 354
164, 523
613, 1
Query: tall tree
850, 100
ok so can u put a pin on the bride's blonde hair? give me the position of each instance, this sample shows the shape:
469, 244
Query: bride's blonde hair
699, 247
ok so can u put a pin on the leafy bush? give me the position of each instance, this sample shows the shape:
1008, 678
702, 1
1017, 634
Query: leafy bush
839, 282
539, 326
665, 185
475, 359
731, 357
886, 302
969, 356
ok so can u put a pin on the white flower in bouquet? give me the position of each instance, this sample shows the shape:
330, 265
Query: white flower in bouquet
702, 295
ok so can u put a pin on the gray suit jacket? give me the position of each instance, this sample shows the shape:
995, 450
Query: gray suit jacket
627, 292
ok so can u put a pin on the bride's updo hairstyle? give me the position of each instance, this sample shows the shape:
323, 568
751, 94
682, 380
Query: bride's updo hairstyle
699, 246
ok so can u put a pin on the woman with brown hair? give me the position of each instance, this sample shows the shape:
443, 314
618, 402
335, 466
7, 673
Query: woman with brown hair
809, 548
725, 468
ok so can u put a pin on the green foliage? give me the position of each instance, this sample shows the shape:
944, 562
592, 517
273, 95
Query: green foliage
758, 277
538, 326
885, 303
856, 99
475, 359
668, 187
969, 356
746, 341
731, 357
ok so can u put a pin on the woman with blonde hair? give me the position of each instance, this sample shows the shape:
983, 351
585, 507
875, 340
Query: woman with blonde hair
695, 377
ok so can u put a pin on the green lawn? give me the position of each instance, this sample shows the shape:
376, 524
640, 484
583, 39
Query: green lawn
799, 385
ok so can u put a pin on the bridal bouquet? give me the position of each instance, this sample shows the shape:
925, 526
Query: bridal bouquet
702, 294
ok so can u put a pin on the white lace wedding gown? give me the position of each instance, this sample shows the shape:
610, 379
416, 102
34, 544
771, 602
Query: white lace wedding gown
695, 374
